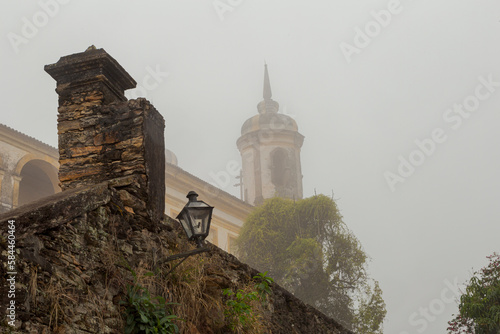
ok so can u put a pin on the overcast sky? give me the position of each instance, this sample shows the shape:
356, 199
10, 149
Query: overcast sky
376, 88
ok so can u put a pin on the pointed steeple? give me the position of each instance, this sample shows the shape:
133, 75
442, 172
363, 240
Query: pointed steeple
268, 105
267, 85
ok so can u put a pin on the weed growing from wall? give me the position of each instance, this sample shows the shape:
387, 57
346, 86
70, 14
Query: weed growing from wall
242, 313
147, 314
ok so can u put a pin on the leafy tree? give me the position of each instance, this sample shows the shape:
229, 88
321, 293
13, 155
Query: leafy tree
307, 248
371, 311
479, 308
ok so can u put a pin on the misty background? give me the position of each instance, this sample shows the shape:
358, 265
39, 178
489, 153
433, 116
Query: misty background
201, 64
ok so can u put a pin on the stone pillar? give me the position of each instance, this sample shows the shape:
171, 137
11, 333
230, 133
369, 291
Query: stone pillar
4, 206
102, 135
15, 190
9, 195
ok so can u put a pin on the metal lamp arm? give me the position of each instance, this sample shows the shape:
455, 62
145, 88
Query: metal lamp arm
182, 256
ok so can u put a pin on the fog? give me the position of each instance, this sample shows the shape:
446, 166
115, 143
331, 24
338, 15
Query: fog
398, 101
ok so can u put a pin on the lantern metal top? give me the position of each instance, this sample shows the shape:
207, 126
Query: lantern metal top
192, 195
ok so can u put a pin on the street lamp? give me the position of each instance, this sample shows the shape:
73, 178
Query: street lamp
195, 219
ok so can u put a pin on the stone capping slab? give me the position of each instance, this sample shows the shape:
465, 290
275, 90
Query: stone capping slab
76, 67
85, 68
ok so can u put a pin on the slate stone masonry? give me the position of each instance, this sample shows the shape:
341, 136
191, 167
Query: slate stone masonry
102, 135
72, 249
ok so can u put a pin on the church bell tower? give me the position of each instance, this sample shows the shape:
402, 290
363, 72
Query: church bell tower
270, 146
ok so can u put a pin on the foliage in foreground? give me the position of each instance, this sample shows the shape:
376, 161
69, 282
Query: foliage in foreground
144, 314
479, 308
309, 250
240, 310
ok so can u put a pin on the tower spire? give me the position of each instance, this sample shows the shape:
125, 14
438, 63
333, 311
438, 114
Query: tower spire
268, 105
267, 84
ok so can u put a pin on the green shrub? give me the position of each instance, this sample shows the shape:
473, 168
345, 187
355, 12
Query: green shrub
144, 314
262, 285
238, 308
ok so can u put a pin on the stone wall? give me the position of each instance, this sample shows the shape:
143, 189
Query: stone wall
76, 250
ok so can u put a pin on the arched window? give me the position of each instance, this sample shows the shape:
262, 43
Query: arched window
280, 168
38, 179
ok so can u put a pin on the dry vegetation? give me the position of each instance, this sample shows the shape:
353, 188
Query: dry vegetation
194, 288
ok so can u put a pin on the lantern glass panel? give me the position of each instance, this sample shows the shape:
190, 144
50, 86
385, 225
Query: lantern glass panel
200, 217
184, 220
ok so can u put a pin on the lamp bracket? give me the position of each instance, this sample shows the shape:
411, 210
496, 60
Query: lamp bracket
182, 256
